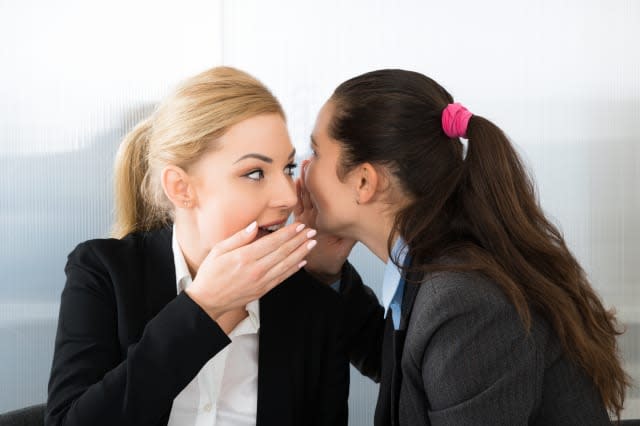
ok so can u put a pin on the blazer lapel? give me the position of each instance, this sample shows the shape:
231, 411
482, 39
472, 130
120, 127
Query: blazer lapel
276, 389
411, 287
393, 345
384, 413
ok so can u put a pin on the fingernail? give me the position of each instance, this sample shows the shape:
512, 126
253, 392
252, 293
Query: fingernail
301, 264
311, 244
300, 227
249, 229
311, 233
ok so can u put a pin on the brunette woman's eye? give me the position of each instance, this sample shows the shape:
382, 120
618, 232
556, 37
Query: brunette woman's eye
256, 175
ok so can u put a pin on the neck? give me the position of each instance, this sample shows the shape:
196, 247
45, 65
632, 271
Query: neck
375, 235
191, 251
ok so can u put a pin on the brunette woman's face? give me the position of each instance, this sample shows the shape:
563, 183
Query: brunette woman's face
247, 178
333, 198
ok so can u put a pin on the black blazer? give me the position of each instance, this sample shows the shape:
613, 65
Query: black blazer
462, 356
126, 345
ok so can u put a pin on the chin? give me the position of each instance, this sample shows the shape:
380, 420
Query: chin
324, 224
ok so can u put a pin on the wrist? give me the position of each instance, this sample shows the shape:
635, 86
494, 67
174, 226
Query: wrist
214, 312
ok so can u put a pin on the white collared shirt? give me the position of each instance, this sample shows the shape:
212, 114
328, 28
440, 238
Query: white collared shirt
225, 391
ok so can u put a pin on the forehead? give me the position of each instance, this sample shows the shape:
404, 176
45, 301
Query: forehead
262, 133
321, 129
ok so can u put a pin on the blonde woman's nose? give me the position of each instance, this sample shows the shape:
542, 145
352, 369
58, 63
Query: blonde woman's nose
284, 195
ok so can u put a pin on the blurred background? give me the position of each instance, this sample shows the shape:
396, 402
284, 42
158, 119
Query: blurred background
562, 78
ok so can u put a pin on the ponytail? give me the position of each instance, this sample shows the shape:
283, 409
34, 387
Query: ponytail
133, 211
541, 272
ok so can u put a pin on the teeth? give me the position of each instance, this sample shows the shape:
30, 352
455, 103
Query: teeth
273, 227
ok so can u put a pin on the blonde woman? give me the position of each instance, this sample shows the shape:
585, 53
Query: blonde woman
198, 311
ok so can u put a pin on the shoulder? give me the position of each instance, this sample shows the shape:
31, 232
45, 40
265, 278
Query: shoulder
113, 253
98, 247
450, 293
104, 250
456, 304
473, 293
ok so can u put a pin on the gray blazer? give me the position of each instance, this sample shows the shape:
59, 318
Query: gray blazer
466, 359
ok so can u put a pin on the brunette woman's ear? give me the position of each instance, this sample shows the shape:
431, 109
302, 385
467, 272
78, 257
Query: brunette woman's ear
367, 183
176, 186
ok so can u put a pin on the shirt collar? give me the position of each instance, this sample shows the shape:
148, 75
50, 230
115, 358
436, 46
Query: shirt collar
183, 276
183, 280
393, 274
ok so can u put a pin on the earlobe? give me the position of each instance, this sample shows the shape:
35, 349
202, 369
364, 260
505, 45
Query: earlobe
175, 183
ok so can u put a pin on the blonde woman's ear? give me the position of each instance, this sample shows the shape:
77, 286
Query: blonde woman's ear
175, 183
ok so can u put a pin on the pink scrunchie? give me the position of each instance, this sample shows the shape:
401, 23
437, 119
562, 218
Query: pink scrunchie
455, 119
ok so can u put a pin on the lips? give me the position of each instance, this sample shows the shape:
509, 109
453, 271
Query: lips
268, 228
273, 228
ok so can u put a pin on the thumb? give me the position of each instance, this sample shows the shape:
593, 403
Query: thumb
239, 239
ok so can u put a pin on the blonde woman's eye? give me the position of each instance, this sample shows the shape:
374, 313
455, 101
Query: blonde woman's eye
290, 169
255, 175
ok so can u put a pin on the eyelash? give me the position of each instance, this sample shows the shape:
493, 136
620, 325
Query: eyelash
291, 168
289, 171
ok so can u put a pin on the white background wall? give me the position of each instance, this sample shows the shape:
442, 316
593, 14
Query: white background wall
562, 78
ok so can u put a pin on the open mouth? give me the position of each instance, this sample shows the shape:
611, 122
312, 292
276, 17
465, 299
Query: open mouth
266, 230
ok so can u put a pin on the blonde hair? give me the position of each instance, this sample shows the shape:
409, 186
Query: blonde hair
185, 126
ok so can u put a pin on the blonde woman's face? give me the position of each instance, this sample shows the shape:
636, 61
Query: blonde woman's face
249, 177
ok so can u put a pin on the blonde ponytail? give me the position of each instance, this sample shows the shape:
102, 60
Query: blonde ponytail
185, 126
130, 171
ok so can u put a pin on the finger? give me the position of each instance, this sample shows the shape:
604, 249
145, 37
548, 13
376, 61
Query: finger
306, 199
274, 282
239, 239
270, 260
303, 173
272, 242
264, 286
298, 209
304, 196
286, 257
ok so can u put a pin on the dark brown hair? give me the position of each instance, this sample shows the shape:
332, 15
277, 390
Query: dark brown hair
481, 210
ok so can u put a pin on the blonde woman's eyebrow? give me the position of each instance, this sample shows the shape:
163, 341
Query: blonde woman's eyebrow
262, 157
256, 156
